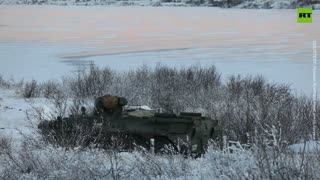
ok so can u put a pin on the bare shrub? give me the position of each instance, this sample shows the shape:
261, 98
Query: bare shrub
264, 162
151, 166
243, 104
31, 89
52, 128
37, 159
5, 144
60, 104
50, 88
252, 103
91, 83
10, 83
4, 83
276, 162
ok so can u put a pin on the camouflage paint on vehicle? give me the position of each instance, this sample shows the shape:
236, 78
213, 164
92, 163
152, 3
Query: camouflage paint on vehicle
185, 132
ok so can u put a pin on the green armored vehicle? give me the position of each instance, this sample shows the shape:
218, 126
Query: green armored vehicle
134, 126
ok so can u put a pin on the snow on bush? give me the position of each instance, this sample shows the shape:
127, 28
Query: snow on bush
38, 160
247, 107
251, 110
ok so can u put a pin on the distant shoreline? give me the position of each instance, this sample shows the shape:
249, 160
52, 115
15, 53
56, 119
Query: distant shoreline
267, 4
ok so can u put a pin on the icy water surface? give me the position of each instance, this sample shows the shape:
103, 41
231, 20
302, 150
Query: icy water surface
45, 42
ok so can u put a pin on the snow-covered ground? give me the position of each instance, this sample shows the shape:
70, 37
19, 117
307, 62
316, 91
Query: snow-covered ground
12, 113
13, 109
309, 147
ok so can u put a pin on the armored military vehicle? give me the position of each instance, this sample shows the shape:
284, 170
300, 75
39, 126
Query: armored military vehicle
134, 126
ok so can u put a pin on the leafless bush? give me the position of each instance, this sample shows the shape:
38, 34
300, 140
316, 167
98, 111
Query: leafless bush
37, 159
31, 89
275, 162
4, 83
151, 166
60, 104
50, 88
46, 162
251, 103
11, 83
243, 104
168, 88
177, 90
53, 129
5, 144
91, 83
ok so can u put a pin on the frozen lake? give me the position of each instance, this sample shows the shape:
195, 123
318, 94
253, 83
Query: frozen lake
46, 42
